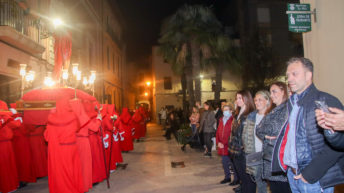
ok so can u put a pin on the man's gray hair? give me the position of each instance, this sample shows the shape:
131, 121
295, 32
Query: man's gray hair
307, 63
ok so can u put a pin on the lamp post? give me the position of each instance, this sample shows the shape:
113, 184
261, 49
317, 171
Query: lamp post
91, 80
48, 81
22, 73
64, 76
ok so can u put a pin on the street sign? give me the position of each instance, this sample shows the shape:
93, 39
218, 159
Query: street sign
299, 17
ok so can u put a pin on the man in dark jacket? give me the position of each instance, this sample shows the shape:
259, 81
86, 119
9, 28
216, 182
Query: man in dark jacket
301, 149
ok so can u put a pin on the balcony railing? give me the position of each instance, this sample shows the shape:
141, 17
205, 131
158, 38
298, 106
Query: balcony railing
11, 14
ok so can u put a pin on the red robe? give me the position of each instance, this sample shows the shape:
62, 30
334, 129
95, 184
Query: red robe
125, 131
83, 144
98, 164
38, 150
8, 170
22, 151
135, 123
111, 137
63, 158
143, 122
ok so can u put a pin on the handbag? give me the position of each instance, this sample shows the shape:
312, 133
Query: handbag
254, 159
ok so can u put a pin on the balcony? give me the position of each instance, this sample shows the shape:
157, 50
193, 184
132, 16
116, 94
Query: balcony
19, 28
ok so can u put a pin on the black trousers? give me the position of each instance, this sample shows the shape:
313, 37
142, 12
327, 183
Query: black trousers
279, 187
247, 184
170, 131
207, 140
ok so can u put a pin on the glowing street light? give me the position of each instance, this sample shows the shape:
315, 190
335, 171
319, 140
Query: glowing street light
146, 93
92, 77
75, 68
48, 81
22, 70
64, 74
30, 76
57, 22
148, 83
85, 81
78, 75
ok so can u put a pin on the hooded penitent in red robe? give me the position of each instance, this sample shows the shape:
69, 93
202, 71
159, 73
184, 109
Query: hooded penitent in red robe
8, 170
83, 144
125, 130
22, 151
135, 123
64, 165
143, 122
98, 162
111, 137
38, 150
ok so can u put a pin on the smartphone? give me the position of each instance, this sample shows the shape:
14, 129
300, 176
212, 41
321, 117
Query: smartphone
322, 105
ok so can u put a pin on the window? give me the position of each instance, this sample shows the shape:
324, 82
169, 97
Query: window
167, 83
263, 14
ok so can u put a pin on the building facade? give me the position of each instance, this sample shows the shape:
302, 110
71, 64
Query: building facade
27, 36
167, 90
324, 45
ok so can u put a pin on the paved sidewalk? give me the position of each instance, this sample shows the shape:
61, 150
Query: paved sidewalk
149, 170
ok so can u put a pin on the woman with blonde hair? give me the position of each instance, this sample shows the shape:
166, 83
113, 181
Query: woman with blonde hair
252, 144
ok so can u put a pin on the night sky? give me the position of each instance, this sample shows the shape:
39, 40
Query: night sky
143, 19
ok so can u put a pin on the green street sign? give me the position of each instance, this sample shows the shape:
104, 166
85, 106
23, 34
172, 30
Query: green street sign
299, 17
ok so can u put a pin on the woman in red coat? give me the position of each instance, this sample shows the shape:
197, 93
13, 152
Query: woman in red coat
8, 170
222, 136
125, 131
64, 165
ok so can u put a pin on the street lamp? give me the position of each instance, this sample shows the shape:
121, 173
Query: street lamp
48, 81
57, 22
75, 68
146, 93
148, 83
85, 81
92, 79
22, 72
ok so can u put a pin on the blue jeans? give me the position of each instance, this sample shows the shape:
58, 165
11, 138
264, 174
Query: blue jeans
194, 129
226, 162
298, 186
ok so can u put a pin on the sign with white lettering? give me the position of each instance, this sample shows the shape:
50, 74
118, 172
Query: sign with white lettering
299, 17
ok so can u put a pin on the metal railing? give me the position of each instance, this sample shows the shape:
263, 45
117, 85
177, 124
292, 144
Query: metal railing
11, 14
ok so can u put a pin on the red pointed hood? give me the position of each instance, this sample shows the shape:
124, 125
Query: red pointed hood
62, 114
3, 106
137, 117
125, 116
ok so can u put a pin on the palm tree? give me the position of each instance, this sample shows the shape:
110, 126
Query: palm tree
222, 55
185, 31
